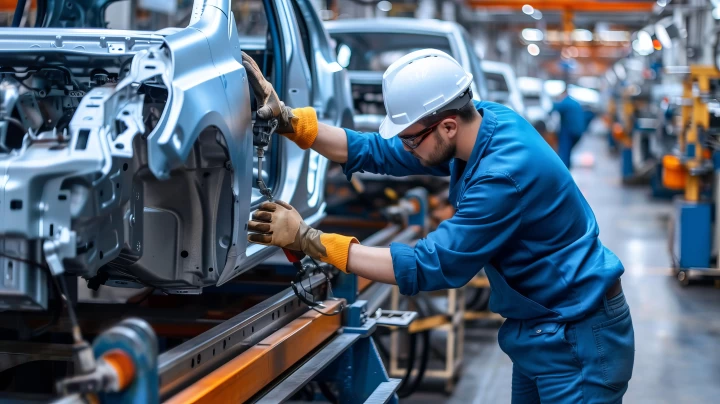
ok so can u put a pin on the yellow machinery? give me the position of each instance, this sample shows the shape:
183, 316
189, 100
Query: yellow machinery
691, 170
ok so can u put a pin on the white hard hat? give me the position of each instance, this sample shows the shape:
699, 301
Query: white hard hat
419, 84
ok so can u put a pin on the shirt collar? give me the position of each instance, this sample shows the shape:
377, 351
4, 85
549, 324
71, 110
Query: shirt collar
487, 128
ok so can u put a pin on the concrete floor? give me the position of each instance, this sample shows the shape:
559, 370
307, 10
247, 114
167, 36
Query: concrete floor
677, 330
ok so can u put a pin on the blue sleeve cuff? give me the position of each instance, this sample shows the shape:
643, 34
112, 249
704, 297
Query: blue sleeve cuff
354, 163
405, 268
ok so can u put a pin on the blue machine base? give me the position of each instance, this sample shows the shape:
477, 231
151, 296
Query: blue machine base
693, 235
627, 163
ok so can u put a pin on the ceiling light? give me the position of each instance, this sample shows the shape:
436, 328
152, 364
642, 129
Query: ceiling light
532, 34
613, 36
533, 49
662, 3
536, 15
528, 9
716, 13
582, 35
384, 6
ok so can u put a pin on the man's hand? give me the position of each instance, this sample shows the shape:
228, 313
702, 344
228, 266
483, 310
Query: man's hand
279, 224
269, 104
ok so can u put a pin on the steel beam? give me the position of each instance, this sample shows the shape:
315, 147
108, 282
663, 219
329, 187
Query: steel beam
247, 374
568, 5
201, 355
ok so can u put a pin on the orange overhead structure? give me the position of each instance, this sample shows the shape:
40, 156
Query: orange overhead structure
568, 5
9, 5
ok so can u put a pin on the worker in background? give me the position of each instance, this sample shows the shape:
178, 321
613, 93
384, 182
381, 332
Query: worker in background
519, 215
572, 125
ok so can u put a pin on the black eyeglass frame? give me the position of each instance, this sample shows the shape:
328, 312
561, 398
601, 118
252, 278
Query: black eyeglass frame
451, 111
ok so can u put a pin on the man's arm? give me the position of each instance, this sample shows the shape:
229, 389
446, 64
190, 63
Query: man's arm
332, 143
450, 256
373, 263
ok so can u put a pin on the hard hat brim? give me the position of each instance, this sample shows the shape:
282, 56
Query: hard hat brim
389, 130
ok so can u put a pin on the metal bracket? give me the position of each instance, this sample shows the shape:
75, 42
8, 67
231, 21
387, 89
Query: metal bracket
394, 318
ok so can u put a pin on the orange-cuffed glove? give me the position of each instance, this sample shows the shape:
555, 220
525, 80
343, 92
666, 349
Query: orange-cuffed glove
299, 125
279, 224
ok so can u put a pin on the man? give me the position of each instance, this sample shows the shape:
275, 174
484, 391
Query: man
519, 215
572, 125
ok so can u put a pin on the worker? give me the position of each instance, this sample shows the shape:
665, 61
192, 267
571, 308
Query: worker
572, 125
519, 215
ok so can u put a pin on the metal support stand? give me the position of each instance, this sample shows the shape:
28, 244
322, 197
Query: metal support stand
350, 361
451, 322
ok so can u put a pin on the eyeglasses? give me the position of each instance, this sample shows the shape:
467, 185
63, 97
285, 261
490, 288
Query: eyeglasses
409, 140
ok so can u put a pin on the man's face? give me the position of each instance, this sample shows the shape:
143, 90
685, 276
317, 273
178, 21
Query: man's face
435, 145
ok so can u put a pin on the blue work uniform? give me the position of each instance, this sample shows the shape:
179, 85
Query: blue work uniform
521, 216
572, 126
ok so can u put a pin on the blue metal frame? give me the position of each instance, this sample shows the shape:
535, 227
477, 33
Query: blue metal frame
359, 371
693, 234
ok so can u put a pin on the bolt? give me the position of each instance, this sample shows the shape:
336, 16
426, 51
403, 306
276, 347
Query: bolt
132, 220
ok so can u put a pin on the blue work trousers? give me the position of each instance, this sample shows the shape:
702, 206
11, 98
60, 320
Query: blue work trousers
588, 361
566, 143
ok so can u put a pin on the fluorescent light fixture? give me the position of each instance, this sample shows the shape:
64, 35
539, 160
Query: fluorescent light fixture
528, 9
536, 15
585, 95
530, 84
554, 87
589, 82
533, 49
614, 36
582, 35
532, 34
716, 13
384, 6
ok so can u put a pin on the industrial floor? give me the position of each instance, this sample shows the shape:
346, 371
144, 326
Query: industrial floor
677, 330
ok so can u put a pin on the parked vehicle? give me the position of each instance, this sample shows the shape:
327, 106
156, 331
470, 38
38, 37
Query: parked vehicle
538, 104
126, 157
367, 47
502, 85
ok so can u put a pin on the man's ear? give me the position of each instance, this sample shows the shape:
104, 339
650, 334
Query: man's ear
450, 127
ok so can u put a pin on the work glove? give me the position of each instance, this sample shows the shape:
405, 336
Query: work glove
279, 224
299, 125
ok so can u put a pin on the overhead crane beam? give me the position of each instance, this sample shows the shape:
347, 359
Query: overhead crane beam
567, 5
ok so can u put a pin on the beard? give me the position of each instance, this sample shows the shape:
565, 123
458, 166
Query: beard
442, 153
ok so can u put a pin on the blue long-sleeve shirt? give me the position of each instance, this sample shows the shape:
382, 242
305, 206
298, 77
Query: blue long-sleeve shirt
519, 215
572, 117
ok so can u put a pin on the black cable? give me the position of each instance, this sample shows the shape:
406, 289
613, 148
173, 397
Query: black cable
40, 13
410, 362
424, 359
19, 11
